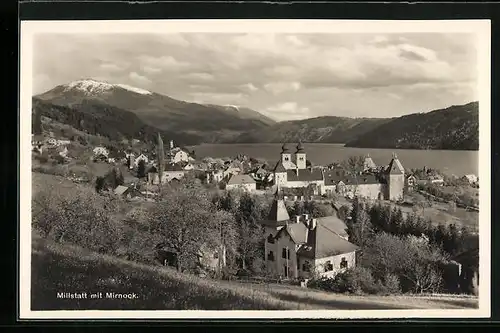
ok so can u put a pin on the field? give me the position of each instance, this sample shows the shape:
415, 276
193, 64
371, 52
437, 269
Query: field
63, 268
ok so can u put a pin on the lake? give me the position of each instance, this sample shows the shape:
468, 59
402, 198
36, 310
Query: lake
457, 162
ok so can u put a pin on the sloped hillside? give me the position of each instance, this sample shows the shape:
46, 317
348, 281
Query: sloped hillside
60, 268
456, 128
111, 122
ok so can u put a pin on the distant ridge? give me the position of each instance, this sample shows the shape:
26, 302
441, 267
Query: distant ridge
211, 123
454, 128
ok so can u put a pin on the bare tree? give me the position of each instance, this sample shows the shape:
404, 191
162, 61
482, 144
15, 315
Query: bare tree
353, 167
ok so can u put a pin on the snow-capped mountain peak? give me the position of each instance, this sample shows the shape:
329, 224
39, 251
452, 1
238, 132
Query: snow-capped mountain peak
94, 87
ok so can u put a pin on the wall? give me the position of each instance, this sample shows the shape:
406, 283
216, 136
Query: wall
247, 187
319, 265
169, 175
180, 156
280, 179
276, 267
300, 161
396, 186
371, 191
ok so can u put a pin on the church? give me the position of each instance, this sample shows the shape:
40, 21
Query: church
292, 171
378, 183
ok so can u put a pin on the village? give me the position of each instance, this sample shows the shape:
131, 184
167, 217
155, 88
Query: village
296, 247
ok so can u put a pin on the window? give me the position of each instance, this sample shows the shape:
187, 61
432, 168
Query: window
301, 158
285, 254
328, 266
270, 239
216, 255
343, 263
286, 158
306, 267
270, 256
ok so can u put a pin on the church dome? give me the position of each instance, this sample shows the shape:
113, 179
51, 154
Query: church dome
300, 148
284, 148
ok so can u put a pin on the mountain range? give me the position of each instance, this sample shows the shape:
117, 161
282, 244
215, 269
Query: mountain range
117, 110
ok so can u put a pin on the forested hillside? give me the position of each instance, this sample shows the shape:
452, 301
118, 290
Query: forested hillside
113, 123
455, 128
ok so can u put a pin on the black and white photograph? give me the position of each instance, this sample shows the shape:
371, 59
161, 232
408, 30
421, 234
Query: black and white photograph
255, 169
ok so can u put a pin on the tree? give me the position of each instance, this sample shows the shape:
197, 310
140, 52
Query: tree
397, 221
184, 222
412, 259
354, 166
160, 155
251, 233
99, 184
359, 227
141, 169
79, 217
451, 240
37, 123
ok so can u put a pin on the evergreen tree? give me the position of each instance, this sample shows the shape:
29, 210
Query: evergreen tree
37, 123
141, 169
160, 155
451, 241
359, 227
99, 184
439, 235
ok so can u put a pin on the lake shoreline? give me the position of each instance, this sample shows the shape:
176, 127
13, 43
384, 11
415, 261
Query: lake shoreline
452, 162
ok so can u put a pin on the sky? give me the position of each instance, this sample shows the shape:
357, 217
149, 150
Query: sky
283, 76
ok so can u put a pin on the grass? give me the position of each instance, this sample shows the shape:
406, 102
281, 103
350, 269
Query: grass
64, 268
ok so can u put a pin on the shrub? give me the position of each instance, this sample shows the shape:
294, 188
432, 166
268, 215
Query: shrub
357, 280
392, 284
42, 158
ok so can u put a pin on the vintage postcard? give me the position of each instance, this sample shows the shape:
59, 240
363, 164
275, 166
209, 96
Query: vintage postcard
254, 169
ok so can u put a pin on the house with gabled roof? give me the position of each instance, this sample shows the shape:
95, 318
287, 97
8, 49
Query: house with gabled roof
170, 172
303, 246
244, 182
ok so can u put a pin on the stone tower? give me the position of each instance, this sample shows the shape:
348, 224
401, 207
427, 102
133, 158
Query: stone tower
286, 156
280, 175
277, 219
300, 156
395, 179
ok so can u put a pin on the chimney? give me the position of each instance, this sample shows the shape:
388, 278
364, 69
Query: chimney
306, 216
297, 218
171, 144
297, 171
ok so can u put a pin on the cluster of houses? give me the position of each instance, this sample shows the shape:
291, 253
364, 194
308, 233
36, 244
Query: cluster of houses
39, 144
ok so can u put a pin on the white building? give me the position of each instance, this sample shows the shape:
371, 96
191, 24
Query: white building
100, 151
244, 182
304, 247
172, 171
140, 158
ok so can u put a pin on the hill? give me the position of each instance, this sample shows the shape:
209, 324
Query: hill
455, 128
114, 123
327, 129
60, 268
209, 122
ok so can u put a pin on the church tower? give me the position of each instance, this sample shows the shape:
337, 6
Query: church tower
277, 219
300, 156
395, 179
286, 156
